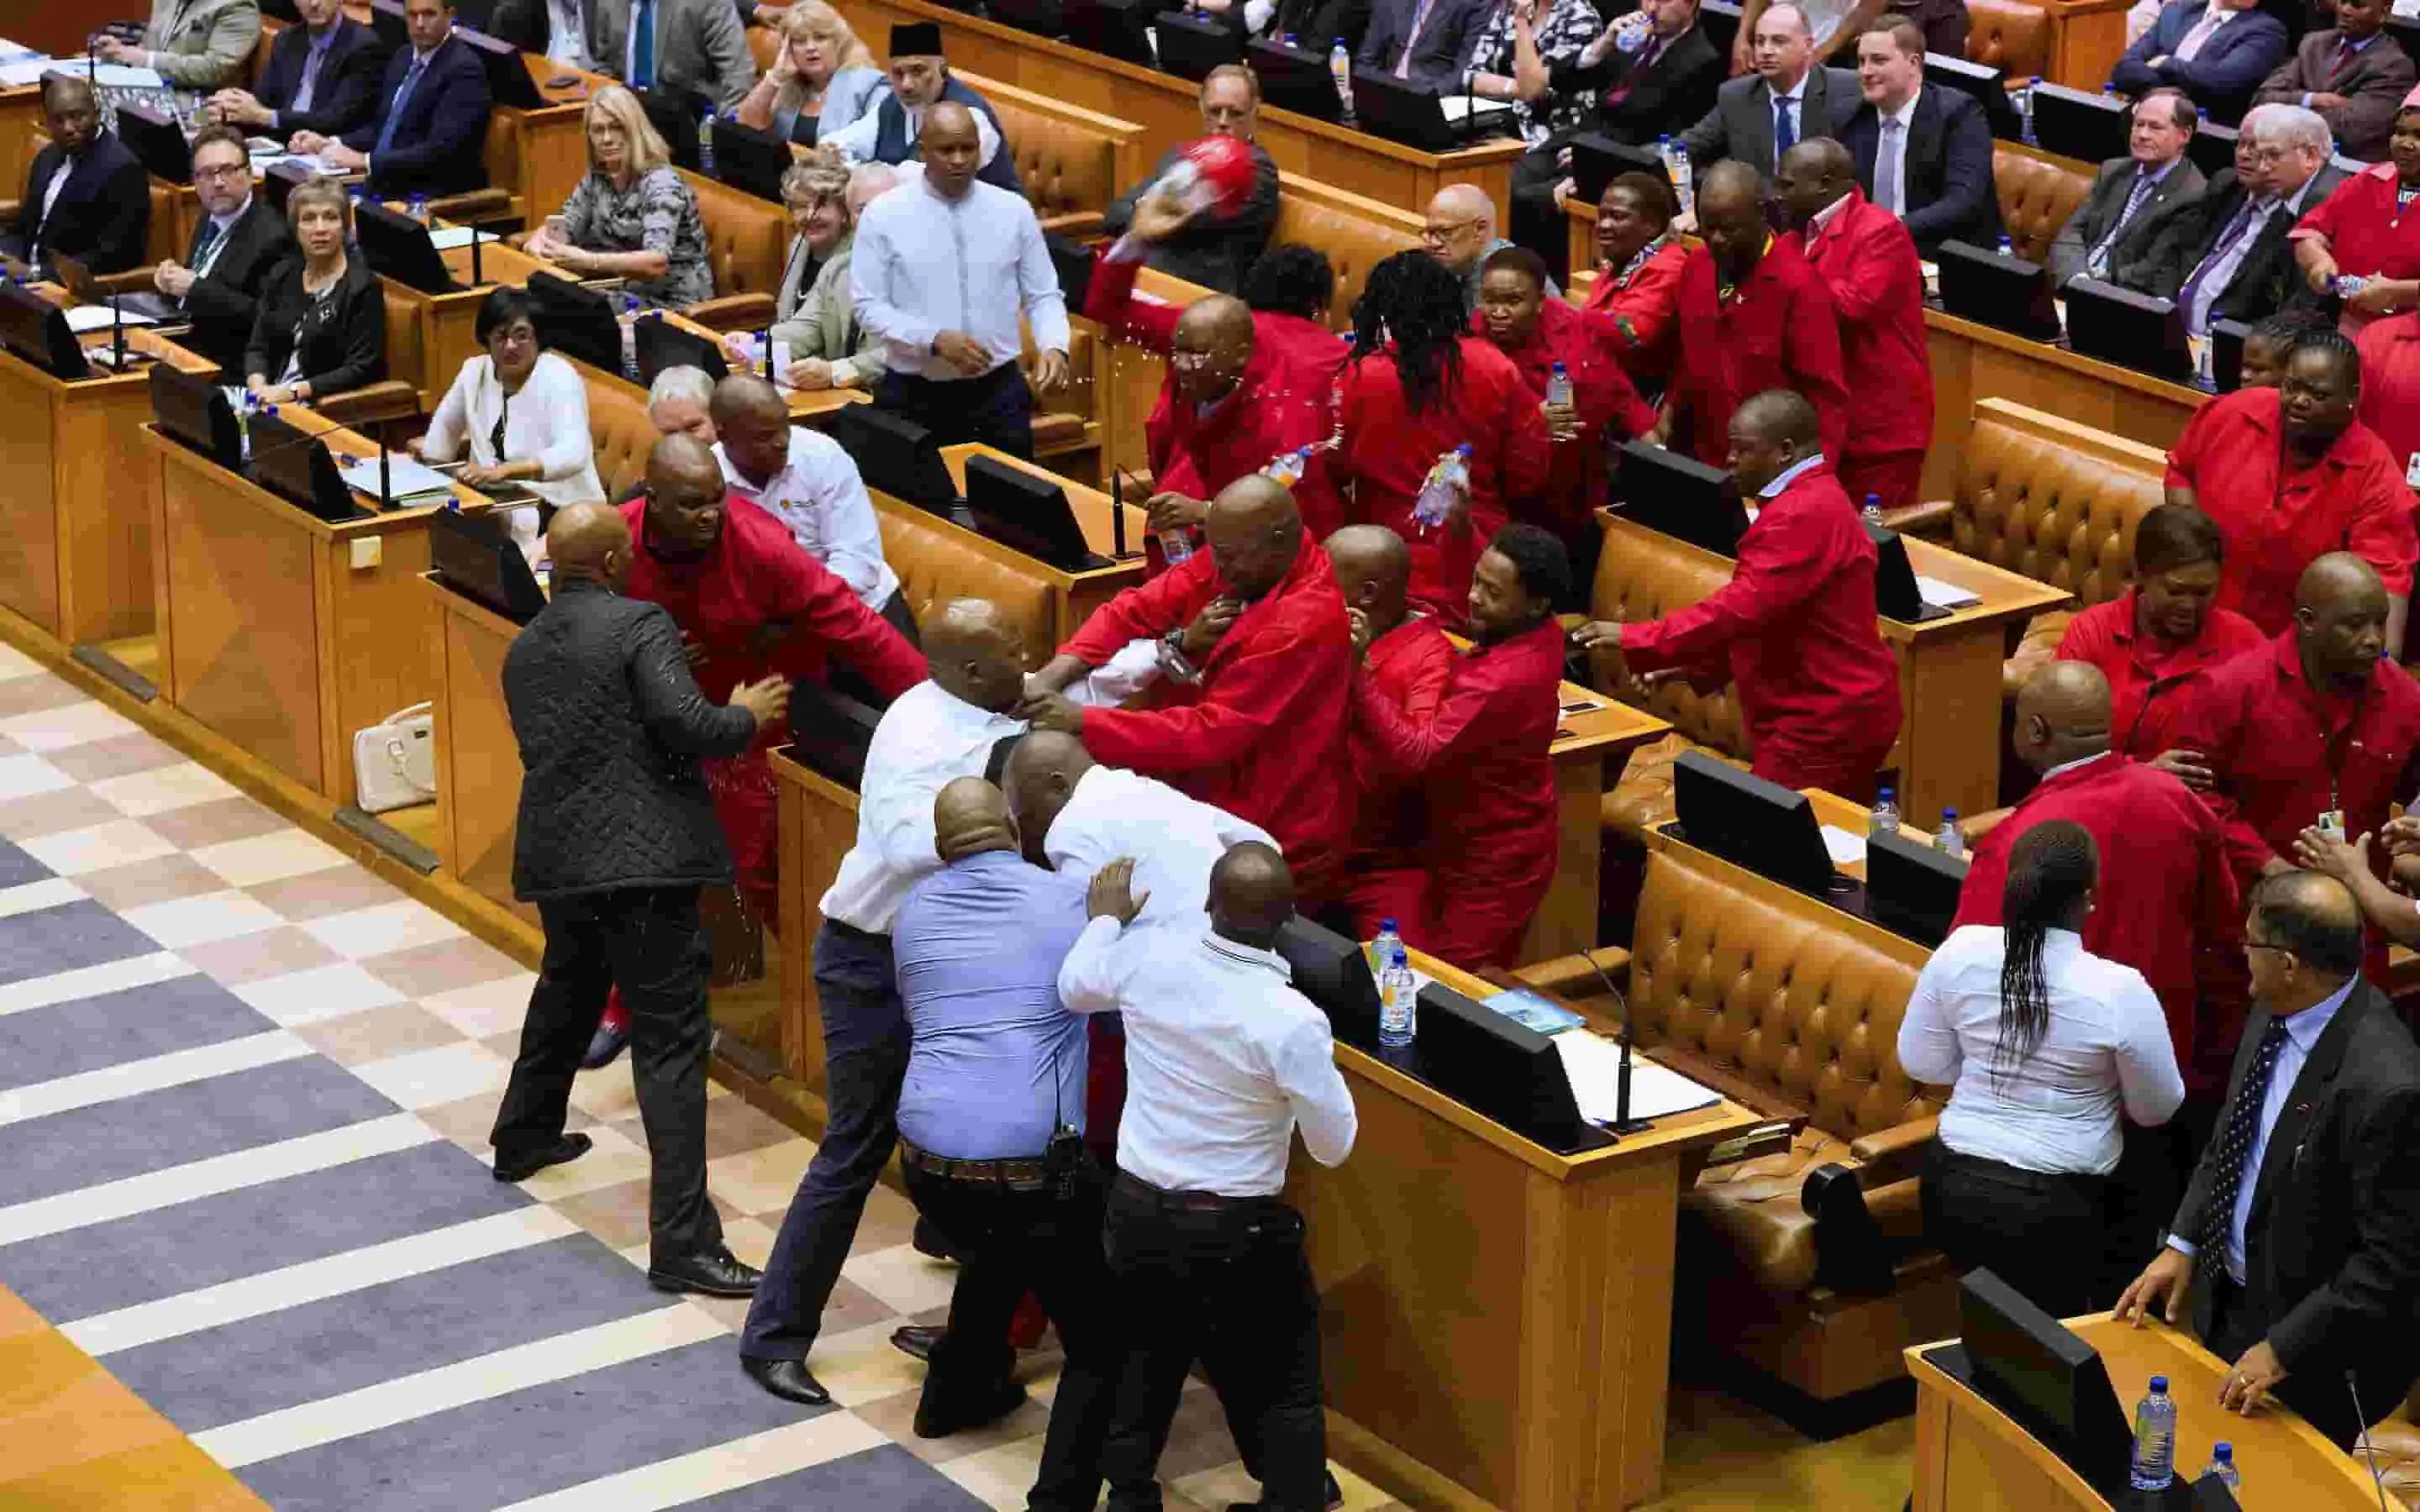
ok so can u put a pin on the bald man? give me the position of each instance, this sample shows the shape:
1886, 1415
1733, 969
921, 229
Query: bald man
1406, 661
1232, 402
803, 478
1461, 233
1246, 714
616, 838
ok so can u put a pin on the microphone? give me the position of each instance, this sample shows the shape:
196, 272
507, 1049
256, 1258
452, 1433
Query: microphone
1118, 513
386, 494
2369, 1455
1622, 1122
476, 278
117, 335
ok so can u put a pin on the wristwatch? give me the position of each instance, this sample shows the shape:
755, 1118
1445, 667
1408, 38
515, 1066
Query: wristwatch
1172, 661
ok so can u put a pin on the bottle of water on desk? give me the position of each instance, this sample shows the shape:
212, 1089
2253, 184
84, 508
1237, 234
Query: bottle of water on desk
1872, 513
2155, 1439
628, 319
1883, 818
417, 208
1676, 167
244, 413
1948, 840
2026, 109
1340, 67
2222, 1465
706, 143
1396, 991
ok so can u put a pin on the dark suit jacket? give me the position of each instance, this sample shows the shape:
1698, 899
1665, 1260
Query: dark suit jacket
102, 214
225, 306
1320, 25
2229, 68
2331, 1246
2161, 251
2373, 84
1741, 124
1669, 99
1442, 52
1214, 250
343, 340
346, 94
2073, 247
440, 143
1947, 168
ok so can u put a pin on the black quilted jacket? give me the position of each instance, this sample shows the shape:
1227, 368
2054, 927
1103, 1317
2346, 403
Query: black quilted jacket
611, 726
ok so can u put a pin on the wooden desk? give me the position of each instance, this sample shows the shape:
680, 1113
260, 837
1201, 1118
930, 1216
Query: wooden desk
278, 630
1948, 750
2086, 40
1971, 1456
478, 760
77, 494
1167, 108
21, 123
1590, 751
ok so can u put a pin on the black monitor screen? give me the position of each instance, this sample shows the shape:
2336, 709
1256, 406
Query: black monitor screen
1507, 1070
1044, 18
897, 456
1681, 496
663, 345
1911, 889
2226, 338
1749, 821
474, 554
2035, 1369
2081, 124
1333, 972
1997, 288
1113, 28
751, 161
157, 142
194, 410
399, 247
1399, 110
1028, 511
2137, 330
579, 322
1988, 85
36, 330
1598, 161
2213, 147
1190, 46
509, 81
830, 732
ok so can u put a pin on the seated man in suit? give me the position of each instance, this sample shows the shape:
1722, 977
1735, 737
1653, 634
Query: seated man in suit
2217, 52
429, 136
1760, 115
2154, 175
86, 197
2222, 255
920, 79
321, 76
1216, 247
1835, 26
239, 243
1423, 41
1925, 155
696, 48
193, 45
1317, 24
2352, 73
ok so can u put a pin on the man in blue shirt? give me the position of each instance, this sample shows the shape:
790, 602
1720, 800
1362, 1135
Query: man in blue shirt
995, 1071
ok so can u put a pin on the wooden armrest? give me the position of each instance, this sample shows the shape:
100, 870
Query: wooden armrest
369, 405
1890, 1154
473, 208
1762, 1140
734, 312
1926, 519
8, 209
1572, 974
1075, 225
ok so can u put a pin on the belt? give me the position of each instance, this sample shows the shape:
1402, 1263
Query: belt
1029, 1175
1144, 1192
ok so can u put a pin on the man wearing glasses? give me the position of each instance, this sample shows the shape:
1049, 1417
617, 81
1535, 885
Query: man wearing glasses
239, 243
1461, 234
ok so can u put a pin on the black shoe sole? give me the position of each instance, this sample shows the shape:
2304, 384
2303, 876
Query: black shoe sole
662, 1282
571, 1148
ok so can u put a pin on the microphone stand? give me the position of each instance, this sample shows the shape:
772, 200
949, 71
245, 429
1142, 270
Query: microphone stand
1622, 1122
117, 335
386, 495
476, 277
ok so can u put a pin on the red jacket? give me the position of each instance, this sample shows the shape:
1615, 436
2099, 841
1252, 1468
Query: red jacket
1408, 667
1387, 450
1312, 352
1796, 623
1777, 331
2165, 901
753, 576
2390, 382
1274, 409
1868, 262
2275, 523
2148, 689
1644, 303
1263, 734
1590, 348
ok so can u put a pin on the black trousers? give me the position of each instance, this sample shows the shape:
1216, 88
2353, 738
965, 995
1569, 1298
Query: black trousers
1009, 1242
648, 942
2041, 1233
1232, 1288
996, 409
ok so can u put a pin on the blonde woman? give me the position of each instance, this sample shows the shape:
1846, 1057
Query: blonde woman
827, 348
633, 218
822, 79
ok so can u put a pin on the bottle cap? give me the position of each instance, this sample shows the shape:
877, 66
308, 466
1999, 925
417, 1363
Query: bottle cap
2158, 1383
1386, 926
1885, 794
2222, 1451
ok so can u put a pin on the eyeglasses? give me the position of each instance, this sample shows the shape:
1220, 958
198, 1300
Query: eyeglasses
2263, 945
224, 170
1447, 232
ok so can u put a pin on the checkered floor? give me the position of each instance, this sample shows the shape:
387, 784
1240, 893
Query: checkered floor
247, 1087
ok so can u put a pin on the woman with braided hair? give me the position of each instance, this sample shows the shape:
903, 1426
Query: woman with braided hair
2042, 1044
1419, 386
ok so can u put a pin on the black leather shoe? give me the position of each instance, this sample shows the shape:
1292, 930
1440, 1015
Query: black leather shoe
927, 1241
790, 1380
915, 1340
604, 1045
715, 1272
1335, 1498
522, 1167
933, 1424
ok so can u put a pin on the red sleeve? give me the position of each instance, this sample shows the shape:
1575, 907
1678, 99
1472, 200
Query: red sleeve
1644, 311
1613, 399
1872, 276
2328, 216
817, 601
1982, 897
1780, 566
1290, 668
1110, 302
2382, 532
2185, 456
1408, 746
1526, 456
2213, 723
1428, 677
1153, 609
1813, 358
2087, 639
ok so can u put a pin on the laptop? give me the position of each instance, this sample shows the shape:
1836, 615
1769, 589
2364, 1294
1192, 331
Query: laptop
397, 247
474, 555
1190, 45
1029, 513
89, 289
1295, 78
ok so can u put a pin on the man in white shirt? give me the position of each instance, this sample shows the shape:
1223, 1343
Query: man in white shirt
803, 478
919, 76
935, 733
1228, 1060
943, 271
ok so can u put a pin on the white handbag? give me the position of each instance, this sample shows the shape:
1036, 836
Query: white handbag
395, 761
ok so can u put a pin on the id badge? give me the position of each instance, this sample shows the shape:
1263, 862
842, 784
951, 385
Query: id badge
2411, 471
2332, 824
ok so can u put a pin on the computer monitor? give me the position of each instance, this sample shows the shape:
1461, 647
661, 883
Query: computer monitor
1988, 85
577, 322
1749, 821
386, 20
1679, 496
1506, 1070
1401, 111
2226, 339
36, 330
751, 161
157, 142
2138, 331
397, 247
1598, 160
1911, 889
1027, 512
190, 409
1720, 21
663, 345
898, 456
1896, 593
1043, 17
1295, 79
830, 730
2036, 1369
674, 114
1113, 28
298, 469
2211, 148
1190, 45
1997, 288
2088, 125
1334, 973
476, 557
509, 81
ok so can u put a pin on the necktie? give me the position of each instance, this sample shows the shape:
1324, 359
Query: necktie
496, 437
1785, 135
2191, 47
311, 56
394, 106
2234, 1149
204, 239
1412, 37
2345, 55
1647, 56
642, 45
1886, 161
2098, 263
2233, 234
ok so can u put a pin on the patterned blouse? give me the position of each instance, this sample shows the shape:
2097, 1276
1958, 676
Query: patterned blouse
657, 213
1565, 30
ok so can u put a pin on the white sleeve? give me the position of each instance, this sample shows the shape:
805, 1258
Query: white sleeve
1233, 831
869, 290
852, 538
569, 448
894, 801
2147, 1080
856, 140
1323, 1104
1089, 977
1928, 1039
986, 139
1037, 284
452, 422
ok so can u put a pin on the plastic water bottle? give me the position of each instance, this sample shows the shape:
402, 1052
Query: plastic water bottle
1947, 840
2007, 247
1872, 513
1884, 819
1630, 32
2155, 1439
1448, 485
1396, 992
1340, 67
2222, 1465
628, 318
1176, 547
244, 413
1288, 467
706, 143
1676, 167
2025, 108
417, 208
1184, 183
1558, 386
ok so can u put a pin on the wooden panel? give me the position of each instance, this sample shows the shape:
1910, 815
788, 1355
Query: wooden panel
478, 760
104, 528
21, 112
29, 563
2086, 40
818, 820
378, 640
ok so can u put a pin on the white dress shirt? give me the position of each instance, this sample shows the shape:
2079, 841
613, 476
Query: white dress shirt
226, 224
1224, 1059
1174, 841
2224, 265
567, 34
2189, 46
547, 422
927, 739
2057, 1110
856, 141
1905, 117
925, 264
820, 498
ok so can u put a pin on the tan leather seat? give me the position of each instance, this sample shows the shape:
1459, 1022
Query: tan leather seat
747, 238
1069, 170
1640, 585
2010, 35
622, 434
1355, 233
2036, 197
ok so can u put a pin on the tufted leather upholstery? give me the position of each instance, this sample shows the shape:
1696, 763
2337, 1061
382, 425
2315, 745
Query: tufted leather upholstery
622, 434
2036, 197
1069, 170
746, 238
935, 566
2052, 500
1639, 582
1355, 233
2012, 35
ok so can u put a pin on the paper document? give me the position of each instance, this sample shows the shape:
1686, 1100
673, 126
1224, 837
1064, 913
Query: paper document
1594, 1065
445, 238
406, 477
1945, 595
1532, 1011
1463, 107
1844, 848
87, 318
18, 73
